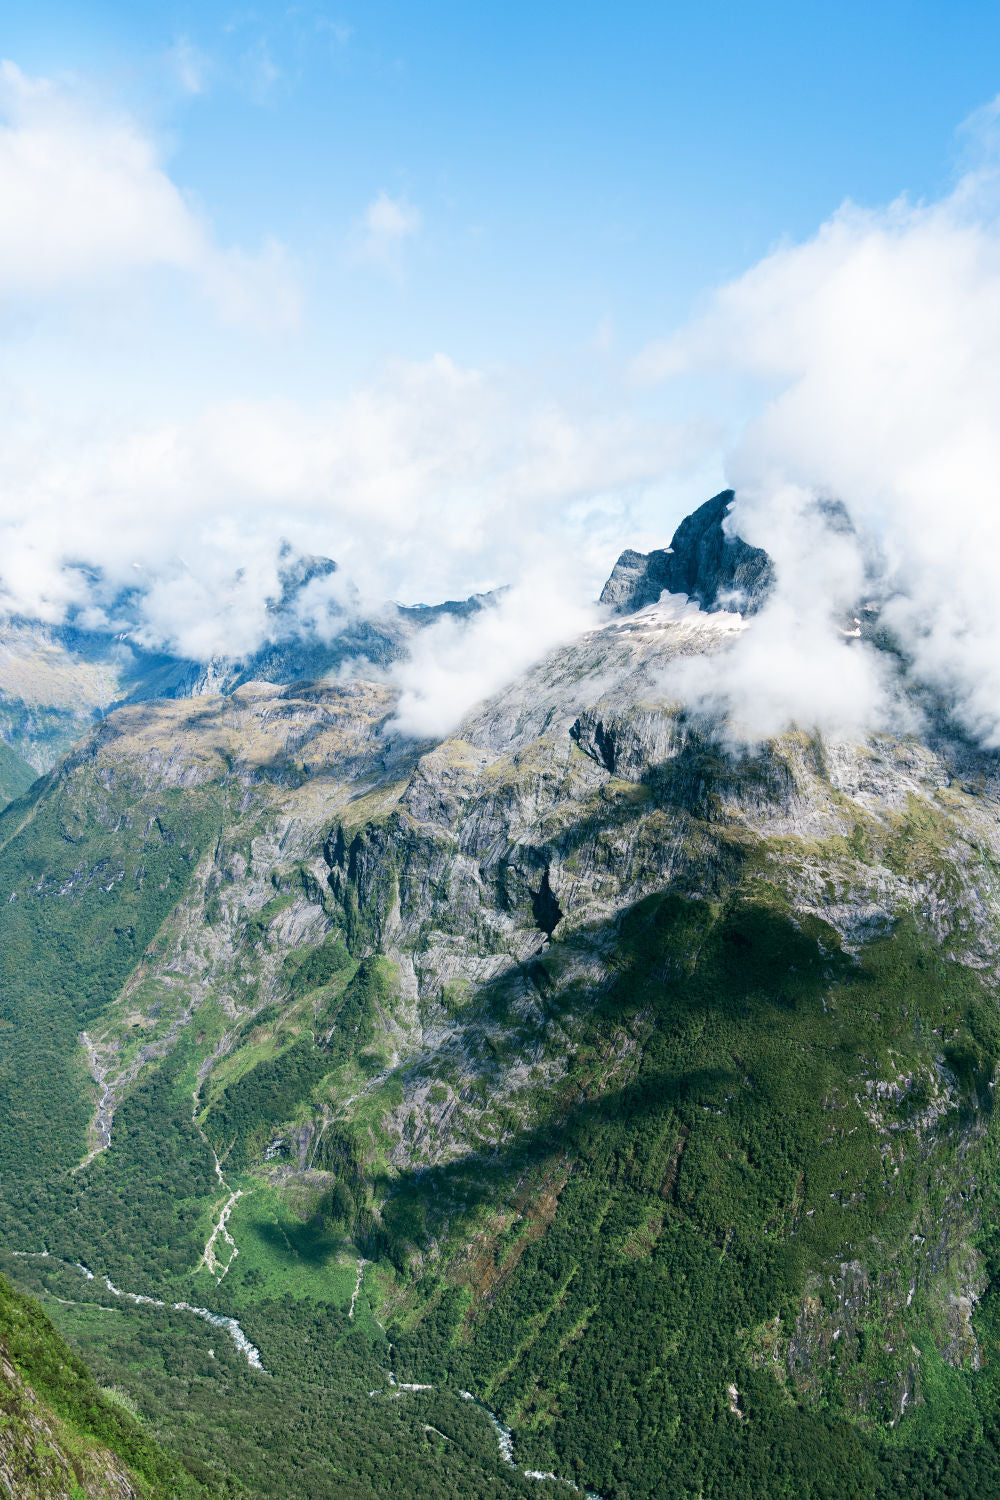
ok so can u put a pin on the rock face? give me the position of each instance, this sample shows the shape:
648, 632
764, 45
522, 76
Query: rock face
36, 1465
61, 1436
56, 680
702, 561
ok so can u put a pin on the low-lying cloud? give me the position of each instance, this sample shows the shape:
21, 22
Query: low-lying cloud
432, 482
803, 659
456, 663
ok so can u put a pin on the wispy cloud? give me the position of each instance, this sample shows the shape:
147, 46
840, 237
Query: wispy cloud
258, 71
85, 198
338, 32
188, 65
382, 232
455, 663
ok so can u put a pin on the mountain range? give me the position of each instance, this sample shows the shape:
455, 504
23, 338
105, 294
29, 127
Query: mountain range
569, 1103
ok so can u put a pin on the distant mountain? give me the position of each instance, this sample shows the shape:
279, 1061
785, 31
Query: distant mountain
56, 680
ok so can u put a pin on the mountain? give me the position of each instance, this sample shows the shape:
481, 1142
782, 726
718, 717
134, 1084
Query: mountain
57, 680
568, 1101
716, 569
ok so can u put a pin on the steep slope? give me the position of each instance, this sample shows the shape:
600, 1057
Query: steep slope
15, 774
641, 1092
146, 874
61, 1438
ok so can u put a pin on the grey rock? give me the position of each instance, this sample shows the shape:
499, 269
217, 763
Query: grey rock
717, 570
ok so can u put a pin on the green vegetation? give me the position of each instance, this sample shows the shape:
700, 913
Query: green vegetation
670, 1219
239, 1123
287, 1248
15, 774
76, 1412
714, 1241
309, 1427
86, 879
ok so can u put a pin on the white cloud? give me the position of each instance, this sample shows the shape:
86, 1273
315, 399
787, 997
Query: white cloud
876, 348
456, 663
256, 291
801, 660
85, 198
385, 226
81, 197
434, 482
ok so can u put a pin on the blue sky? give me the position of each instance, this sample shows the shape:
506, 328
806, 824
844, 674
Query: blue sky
574, 167
385, 278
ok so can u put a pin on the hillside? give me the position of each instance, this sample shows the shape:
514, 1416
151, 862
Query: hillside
638, 1090
15, 774
61, 1437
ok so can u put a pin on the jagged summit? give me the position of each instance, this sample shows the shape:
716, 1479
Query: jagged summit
298, 570
702, 561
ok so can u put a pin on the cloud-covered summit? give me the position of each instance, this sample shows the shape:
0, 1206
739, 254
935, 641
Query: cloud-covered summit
875, 349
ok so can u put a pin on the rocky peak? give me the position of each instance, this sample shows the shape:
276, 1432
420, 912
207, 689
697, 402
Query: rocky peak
296, 571
717, 570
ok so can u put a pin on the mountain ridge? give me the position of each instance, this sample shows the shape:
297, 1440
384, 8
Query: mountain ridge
56, 679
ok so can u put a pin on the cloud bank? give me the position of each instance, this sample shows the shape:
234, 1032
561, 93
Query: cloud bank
871, 352
433, 481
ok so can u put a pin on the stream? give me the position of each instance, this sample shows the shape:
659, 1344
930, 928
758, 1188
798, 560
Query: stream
208, 1257
105, 1104
357, 1285
505, 1438
397, 1388
504, 1435
218, 1320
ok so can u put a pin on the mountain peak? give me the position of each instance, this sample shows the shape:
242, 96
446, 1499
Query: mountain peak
717, 570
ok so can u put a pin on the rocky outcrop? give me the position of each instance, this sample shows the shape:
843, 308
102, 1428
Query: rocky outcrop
703, 561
